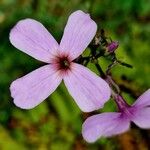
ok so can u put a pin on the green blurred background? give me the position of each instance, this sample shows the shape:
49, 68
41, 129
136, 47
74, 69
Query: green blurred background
56, 123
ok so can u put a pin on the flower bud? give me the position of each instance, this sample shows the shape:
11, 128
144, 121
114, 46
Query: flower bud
112, 46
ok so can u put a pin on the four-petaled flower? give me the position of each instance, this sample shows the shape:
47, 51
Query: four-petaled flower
88, 90
112, 123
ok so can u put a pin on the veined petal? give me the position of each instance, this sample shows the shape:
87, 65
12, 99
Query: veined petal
79, 32
32, 89
31, 37
141, 117
104, 125
88, 90
143, 100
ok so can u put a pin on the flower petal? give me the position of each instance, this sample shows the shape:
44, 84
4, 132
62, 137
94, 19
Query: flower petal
88, 90
142, 118
143, 100
35, 87
78, 33
31, 37
104, 125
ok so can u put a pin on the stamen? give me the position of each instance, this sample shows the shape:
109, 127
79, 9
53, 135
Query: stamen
66, 63
63, 63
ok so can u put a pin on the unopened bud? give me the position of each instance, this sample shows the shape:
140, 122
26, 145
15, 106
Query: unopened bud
112, 46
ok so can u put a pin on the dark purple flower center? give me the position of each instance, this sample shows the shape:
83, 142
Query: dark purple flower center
63, 63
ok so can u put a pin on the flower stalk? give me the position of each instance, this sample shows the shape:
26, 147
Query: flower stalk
99, 49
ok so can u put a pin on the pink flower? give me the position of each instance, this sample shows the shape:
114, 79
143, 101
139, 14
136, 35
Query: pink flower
89, 91
108, 124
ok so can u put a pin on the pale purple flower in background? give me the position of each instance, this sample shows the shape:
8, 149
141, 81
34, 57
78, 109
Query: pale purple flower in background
88, 90
112, 46
113, 123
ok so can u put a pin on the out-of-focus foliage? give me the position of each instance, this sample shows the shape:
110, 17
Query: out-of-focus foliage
56, 123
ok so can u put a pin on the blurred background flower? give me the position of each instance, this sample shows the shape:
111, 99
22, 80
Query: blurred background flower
56, 123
